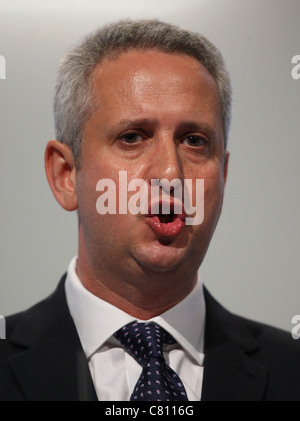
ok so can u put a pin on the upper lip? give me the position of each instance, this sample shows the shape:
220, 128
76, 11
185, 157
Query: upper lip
160, 203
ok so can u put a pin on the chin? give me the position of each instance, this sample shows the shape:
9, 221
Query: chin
161, 256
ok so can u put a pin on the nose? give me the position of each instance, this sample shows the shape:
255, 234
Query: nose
165, 163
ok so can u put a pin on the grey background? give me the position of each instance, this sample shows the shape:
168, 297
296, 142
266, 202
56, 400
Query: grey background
252, 266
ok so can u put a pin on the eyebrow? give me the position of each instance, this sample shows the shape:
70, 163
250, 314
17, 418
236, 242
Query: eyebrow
191, 125
184, 126
195, 126
131, 123
139, 122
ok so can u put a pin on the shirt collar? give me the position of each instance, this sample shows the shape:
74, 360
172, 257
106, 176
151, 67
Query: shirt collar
185, 321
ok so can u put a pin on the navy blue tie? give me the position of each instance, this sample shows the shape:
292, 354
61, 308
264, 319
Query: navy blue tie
158, 382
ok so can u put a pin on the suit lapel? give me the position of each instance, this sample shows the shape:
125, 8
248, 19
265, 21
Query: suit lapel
53, 367
230, 373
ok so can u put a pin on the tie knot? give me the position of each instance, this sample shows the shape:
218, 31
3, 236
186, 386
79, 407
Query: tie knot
143, 340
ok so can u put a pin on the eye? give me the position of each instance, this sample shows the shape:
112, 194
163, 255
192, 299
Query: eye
131, 138
195, 141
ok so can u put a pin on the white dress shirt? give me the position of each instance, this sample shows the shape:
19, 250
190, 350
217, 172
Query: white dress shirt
114, 371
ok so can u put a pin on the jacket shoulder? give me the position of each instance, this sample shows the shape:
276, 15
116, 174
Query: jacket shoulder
280, 353
278, 349
22, 328
265, 345
272, 341
9, 389
6, 348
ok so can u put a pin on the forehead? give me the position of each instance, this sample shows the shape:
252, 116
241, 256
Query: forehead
168, 89
153, 73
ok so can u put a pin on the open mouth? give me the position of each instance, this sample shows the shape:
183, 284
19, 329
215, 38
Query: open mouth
166, 224
166, 218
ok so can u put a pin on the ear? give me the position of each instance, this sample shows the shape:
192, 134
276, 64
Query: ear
61, 174
226, 159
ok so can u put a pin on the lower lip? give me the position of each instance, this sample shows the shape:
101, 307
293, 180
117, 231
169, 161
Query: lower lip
166, 230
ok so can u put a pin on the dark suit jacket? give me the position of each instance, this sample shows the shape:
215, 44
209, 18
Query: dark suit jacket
42, 359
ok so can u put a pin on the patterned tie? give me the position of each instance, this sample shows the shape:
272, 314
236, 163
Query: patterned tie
158, 382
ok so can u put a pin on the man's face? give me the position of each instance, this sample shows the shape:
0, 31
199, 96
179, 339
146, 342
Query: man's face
157, 116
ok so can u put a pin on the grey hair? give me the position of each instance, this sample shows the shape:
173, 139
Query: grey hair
73, 100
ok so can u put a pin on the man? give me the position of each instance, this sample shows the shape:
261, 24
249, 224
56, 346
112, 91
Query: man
141, 101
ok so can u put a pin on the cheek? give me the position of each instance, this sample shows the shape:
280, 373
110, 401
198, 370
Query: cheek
87, 196
212, 172
213, 195
213, 189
